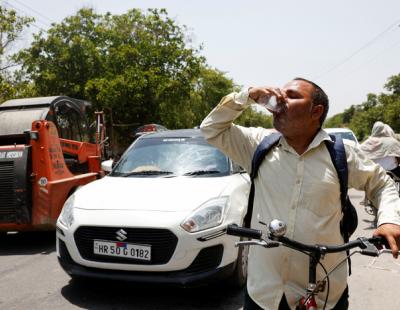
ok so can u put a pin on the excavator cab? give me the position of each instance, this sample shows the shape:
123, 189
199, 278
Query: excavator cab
47, 150
77, 137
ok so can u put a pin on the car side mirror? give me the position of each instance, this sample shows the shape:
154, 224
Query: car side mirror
236, 168
107, 165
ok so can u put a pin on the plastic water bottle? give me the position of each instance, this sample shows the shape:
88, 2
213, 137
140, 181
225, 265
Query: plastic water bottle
270, 103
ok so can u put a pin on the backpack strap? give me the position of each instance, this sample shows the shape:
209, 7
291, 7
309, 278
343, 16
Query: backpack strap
339, 160
262, 149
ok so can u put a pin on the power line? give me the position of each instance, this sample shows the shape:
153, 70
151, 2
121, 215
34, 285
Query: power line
373, 58
33, 10
34, 24
357, 51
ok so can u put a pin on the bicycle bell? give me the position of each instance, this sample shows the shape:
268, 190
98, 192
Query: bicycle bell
277, 228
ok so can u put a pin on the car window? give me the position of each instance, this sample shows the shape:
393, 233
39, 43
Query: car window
179, 156
346, 135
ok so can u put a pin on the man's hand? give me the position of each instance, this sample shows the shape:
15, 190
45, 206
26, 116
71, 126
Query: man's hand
256, 92
392, 234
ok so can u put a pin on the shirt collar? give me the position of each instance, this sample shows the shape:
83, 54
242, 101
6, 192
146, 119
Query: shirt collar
319, 138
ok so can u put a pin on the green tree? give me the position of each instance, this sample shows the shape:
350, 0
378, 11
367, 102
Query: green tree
393, 84
334, 121
137, 65
11, 27
383, 107
254, 118
209, 89
391, 103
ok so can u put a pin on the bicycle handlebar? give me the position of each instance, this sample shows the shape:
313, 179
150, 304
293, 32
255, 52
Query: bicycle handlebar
235, 230
362, 243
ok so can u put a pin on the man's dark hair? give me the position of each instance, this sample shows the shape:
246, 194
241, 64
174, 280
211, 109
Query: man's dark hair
318, 97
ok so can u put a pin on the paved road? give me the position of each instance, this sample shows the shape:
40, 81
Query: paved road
375, 282
30, 278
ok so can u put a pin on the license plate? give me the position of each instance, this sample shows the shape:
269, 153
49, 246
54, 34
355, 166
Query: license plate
122, 249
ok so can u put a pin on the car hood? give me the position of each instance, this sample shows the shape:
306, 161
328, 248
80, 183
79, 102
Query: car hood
150, 194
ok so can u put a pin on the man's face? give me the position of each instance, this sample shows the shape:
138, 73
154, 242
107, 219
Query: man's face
298, 116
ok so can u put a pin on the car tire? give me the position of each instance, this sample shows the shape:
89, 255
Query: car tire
239, 276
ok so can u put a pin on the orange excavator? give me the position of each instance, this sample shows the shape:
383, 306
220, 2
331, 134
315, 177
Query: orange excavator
48, 150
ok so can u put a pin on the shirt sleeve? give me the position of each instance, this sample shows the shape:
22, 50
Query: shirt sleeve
238, 142
370, 177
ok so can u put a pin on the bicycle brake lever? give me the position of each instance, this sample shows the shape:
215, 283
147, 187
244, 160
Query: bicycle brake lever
273, 244
388, 251
369, 249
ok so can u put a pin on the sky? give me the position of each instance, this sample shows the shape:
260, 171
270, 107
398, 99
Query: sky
348, 47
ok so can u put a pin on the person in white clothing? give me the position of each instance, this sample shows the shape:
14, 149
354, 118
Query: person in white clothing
297, 183
383, 148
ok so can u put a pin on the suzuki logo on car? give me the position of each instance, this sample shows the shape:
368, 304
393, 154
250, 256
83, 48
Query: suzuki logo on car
121, 235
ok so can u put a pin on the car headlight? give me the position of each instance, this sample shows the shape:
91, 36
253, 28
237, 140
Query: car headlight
209, 214
66, 217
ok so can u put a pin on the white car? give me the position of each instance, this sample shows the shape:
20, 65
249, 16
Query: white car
344, 133
160, 216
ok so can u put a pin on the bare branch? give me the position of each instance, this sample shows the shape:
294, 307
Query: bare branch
5, 44
8, 66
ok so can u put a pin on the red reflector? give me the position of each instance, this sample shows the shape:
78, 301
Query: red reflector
149, 128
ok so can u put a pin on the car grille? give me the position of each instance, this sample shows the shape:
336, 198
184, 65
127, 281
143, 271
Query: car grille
162, 241
208, 259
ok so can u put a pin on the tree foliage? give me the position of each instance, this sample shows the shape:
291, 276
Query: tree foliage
11, 27
211, 87
384, 107
138, 67
133, 63
254, 118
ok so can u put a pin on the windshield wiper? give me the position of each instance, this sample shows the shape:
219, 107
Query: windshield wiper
202, 172
146, 172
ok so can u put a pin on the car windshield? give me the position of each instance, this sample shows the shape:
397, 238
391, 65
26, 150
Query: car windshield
346, 135
172, 157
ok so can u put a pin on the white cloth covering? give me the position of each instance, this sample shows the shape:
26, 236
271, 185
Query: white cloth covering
382, 142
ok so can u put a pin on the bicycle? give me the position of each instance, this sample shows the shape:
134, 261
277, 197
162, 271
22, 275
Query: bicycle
276, 237
370, 208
